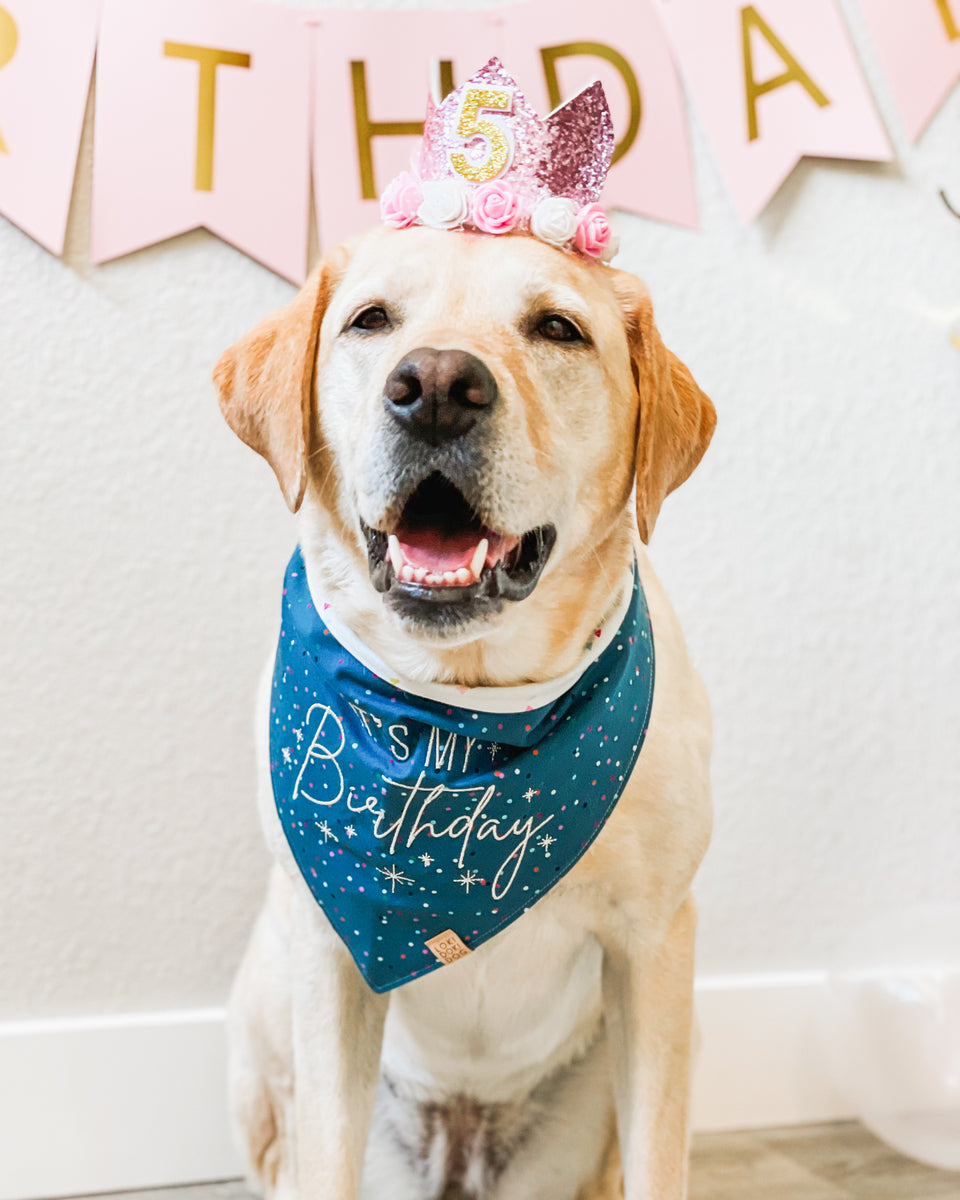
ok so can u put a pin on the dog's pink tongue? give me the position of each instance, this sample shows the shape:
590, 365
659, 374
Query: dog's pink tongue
437, 551
440, 552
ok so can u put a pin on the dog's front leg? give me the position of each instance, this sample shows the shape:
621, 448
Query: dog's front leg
648, 1009
337, 1033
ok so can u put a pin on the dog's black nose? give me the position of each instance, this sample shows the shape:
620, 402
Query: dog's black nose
438, 395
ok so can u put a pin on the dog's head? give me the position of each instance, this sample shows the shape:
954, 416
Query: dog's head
463, 418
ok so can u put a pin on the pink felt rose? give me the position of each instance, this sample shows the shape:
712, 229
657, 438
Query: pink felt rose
593, 231
496, 207
400, 201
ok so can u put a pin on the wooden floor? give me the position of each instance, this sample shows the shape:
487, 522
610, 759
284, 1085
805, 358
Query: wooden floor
811, 1162
808, 1162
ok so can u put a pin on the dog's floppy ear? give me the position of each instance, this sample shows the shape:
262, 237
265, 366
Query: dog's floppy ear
266, 380
676, 419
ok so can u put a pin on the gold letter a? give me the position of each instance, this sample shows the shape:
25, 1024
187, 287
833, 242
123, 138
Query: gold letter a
751, 19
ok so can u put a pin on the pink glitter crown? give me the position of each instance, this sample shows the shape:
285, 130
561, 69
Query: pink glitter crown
489, 163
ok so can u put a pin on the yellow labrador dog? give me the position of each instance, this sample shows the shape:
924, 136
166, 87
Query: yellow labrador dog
535, 393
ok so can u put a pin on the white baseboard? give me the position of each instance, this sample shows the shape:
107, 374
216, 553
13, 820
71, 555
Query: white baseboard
115, 1103
762, 1062
110, 1103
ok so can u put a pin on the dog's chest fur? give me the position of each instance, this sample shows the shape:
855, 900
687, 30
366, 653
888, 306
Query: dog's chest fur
501, 1019
475, 1055
484, 1061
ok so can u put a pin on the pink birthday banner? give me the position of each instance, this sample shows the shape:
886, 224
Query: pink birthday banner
220, 113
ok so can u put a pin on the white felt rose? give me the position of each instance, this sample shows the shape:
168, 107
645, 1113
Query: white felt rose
554, 220
612, 249
445, 204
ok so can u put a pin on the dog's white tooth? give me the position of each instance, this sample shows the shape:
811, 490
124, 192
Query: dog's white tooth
420, 574
433, 579
464, 575
449, 577
479, 558
395, 553
407, 573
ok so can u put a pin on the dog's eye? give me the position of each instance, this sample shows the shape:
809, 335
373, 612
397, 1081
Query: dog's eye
371, 320
555, 328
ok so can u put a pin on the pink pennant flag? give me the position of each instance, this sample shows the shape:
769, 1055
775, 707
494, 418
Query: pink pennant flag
556, 47
773, 81
46, 56
919, 45
203, 110
373, 78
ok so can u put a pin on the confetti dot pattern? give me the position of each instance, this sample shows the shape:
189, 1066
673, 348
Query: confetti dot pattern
408, 817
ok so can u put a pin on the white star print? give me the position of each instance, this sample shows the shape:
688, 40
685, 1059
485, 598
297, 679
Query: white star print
298, 734
328, 834
287, 757
467, 879
350, 831
530, 793
546, 842
426, 859
493, 749
395, 875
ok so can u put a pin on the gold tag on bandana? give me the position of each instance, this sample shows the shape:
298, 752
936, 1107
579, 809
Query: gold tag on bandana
447, 946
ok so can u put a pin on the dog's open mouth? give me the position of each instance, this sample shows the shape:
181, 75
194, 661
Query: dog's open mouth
441, 552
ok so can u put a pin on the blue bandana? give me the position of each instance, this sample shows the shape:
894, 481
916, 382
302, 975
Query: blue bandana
423, 829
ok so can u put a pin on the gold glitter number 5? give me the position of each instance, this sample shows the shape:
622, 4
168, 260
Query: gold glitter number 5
471, 125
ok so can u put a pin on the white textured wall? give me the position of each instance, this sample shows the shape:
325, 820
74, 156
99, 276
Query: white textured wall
813, 557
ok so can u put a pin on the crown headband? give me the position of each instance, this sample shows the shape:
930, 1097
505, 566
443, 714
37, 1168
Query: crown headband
488, 162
